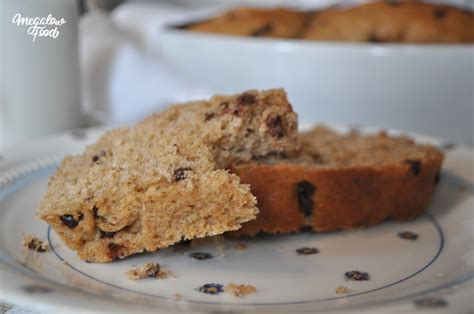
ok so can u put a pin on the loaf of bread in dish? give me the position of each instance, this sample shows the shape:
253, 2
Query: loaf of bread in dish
339, 182
149, 186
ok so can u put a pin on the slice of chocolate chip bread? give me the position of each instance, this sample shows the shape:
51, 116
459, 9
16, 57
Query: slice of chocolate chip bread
146, 187
341, 182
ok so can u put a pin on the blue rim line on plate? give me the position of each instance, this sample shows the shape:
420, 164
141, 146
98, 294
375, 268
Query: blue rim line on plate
432, 220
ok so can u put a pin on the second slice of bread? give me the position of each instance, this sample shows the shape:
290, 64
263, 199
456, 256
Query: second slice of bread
341, 182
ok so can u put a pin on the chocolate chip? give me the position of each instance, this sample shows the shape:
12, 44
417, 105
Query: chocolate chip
95, 210
407, 235
430, 303
415, 166
114, 249
307, 251
275, 126
69, 220
437, 178
179, 174
262, 30
201, 256
439, 14
209, 115
184, 243
356, 275
305, 192
106, 234
95, 158
153, 270
246, 99
211, 288
114, 246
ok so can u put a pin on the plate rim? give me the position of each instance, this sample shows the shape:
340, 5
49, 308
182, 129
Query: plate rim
25, 300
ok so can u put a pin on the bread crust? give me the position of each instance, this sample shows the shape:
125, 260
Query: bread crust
343, 198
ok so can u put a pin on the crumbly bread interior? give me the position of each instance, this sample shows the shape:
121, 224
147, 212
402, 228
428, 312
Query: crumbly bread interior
149, 186
324, 148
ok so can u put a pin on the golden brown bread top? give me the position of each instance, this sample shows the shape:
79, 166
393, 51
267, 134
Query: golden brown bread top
325, 148
378, 21
256, 22
393, 21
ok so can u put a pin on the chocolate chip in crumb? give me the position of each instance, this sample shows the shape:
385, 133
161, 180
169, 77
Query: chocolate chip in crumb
95, 158
180, 174
114, 249
356, 275
211, 288
69, 220
184, 243
34, 243
246, 99
209, 115
439, 14
305, 192
106, 234
262, 30
95, 210
114, 246
307, 251
201, 256
415, 166
275, 126
407, 235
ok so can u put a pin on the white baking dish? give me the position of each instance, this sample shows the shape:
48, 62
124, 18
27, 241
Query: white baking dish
423, 88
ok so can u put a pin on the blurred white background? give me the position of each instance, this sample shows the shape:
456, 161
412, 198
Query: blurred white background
131, 66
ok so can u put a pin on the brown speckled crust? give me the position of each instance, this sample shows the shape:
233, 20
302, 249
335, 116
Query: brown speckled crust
346, 197
255, 22
389, 21
405, 21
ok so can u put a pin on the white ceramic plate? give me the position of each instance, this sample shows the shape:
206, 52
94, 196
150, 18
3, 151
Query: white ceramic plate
435, 271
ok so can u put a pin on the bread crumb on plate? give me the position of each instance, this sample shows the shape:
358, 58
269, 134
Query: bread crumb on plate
147, 270
240, 290
342, 290
34, 243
